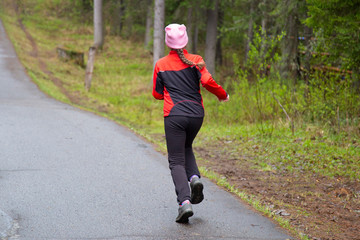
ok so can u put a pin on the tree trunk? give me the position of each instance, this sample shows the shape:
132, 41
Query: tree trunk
129, 22
211, 37
307, 66
86, 5
189, 28
159, 22
98, 24
290, 48
116, 25
90, 67
115, 18
195, 33
308, 33
219, 55
85, 9
121, 16
149, 21
356, 77
250, 33
196, 39
98, 42
263, 27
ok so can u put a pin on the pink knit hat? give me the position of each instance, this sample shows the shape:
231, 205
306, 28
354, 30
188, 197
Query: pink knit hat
176, 36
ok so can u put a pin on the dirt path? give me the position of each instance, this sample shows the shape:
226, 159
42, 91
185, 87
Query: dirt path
318, 206
35, 53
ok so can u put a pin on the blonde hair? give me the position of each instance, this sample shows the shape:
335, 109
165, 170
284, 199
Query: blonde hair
182, 57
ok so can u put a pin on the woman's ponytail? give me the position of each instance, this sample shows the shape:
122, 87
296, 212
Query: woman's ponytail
182, 57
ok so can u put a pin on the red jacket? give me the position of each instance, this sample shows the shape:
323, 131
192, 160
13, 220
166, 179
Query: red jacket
178, 84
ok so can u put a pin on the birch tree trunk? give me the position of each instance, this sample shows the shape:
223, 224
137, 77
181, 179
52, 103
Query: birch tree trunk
149, 21
98, 24
89, 68
98, 42
159, 22
211, 37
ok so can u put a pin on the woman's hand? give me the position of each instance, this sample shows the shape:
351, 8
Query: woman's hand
227, 99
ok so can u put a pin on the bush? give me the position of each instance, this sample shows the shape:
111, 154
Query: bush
259, 95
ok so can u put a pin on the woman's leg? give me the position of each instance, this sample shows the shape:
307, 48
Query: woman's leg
175, 131
180, 133
190, 161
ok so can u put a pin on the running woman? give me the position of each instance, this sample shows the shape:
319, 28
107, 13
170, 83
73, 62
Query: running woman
176, 80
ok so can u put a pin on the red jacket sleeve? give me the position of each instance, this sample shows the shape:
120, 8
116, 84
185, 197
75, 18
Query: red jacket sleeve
158, 86
209, 83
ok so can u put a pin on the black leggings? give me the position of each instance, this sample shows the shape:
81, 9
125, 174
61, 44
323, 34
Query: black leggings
180, 132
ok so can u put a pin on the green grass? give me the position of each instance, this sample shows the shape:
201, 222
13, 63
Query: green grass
303, 152
48, 87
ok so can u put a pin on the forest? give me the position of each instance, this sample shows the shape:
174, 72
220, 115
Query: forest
299, 59
287, 142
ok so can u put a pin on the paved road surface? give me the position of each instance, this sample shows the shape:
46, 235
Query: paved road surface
69, 174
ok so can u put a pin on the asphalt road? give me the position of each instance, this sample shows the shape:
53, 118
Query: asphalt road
69, 174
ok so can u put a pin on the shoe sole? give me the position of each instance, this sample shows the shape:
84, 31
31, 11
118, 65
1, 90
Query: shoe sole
197, 193
184, 218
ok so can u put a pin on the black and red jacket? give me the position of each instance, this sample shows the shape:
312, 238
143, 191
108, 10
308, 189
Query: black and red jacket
178, 84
